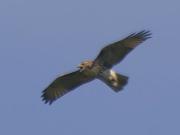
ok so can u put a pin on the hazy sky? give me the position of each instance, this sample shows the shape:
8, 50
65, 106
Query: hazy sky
42, 39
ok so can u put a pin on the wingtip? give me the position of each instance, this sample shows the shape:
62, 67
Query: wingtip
145, 34
45, 99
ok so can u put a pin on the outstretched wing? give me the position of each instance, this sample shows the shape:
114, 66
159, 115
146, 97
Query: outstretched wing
114, 53
63, 84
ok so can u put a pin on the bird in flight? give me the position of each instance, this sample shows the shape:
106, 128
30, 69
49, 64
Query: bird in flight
100, 68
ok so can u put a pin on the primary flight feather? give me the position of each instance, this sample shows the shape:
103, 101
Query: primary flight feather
99, 68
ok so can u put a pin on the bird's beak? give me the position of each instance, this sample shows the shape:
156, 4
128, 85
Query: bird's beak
80, 66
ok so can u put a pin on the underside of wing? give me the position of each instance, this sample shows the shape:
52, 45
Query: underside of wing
64, 84
114, 53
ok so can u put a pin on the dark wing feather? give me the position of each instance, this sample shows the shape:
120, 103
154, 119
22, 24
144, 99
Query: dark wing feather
63, 84
114, 53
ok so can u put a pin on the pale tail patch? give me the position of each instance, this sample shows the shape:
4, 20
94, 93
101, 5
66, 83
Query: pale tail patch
114, 80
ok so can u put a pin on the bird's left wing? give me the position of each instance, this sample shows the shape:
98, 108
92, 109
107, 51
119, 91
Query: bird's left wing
64, 84
114, 53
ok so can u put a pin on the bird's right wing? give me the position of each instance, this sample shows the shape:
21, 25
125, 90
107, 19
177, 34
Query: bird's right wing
64, 84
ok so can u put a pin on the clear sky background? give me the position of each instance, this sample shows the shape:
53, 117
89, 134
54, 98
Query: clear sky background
42, 39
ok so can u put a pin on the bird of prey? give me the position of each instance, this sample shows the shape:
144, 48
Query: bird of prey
97, 69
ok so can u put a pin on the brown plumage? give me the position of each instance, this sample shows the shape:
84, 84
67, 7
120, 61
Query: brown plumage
99, 68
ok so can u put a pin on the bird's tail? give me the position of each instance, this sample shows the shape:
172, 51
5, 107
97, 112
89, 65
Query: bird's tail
114, 80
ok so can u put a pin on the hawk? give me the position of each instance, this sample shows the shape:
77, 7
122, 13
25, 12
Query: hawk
100, 68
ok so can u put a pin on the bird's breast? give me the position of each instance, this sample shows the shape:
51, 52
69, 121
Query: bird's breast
92, 72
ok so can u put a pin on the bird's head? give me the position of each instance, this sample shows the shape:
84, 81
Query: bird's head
84, 65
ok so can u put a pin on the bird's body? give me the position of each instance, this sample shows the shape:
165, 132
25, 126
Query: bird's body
94, 70
97, 69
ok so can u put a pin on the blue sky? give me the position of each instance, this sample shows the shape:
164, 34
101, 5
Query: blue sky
42, 39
